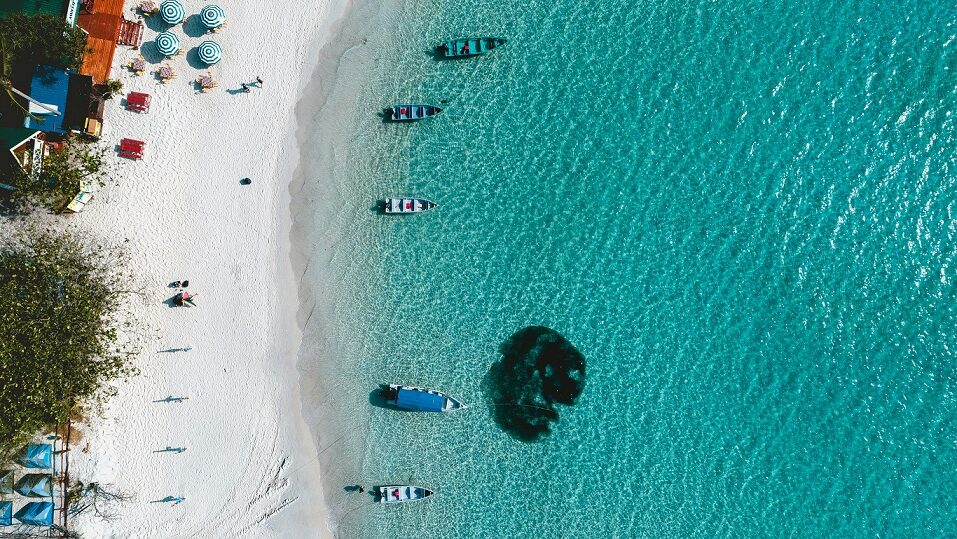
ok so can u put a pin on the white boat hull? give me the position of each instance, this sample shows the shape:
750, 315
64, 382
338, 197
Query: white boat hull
402, 493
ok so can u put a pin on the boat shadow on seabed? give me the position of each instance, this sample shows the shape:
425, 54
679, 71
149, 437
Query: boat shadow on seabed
379, 398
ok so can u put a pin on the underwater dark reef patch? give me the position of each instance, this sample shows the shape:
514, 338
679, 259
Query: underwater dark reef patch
539, 369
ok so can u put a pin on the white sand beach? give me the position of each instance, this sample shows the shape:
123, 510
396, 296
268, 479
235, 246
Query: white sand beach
250, 467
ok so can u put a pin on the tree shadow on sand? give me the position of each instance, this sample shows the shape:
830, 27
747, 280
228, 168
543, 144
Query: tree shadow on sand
539, 369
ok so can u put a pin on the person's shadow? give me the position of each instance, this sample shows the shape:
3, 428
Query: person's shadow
166, 500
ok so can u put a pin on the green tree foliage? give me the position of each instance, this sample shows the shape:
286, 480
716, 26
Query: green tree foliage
63, 329
30, 40
76, 161
112, 87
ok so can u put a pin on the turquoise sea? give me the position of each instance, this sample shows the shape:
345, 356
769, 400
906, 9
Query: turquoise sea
740, 212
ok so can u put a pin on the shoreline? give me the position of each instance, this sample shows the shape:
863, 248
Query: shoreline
322, 217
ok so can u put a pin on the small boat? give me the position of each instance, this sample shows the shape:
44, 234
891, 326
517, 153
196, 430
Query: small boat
469, 46
403, 493
410, 112
420, 399
407, 205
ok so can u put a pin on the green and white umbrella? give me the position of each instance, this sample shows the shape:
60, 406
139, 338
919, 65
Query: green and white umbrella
167, 43
212, 16
172, 12
210, 52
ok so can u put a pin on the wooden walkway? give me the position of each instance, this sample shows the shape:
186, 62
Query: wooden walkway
103, 26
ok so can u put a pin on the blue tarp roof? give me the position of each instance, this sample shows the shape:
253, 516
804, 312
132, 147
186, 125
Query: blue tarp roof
50, 89
6, 513
36, 514
419, 400
35, 485
37, 456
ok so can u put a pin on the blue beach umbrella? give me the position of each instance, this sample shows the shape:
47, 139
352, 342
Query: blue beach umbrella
167, 43
172, 12
212, 16
210, 52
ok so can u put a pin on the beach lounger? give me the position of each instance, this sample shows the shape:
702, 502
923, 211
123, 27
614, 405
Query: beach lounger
131, 148
79, 202
92, 127
138, 102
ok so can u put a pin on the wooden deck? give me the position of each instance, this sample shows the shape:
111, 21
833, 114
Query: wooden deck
103, 26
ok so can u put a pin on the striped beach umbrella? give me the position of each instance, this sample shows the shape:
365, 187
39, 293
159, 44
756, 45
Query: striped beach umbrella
172, 11
167, 43
212, 16
210, 52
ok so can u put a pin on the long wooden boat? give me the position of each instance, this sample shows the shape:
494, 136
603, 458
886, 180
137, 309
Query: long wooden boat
420, 399
411, 112
401, 205
469, 46
403, 493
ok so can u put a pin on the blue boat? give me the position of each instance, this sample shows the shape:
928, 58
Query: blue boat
420, 399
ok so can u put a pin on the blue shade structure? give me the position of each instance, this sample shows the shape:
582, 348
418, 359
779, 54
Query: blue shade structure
210, 52
36, 514
37, 456
167, 43
6, 513
212, 16
35, 485
172, 12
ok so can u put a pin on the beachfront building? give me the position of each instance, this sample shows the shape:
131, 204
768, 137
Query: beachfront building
105, 26
23, 149
67, 103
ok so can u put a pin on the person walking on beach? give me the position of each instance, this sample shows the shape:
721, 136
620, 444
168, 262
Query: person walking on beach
260, 81
245, 88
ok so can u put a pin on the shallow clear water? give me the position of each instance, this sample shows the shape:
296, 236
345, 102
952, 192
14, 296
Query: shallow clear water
740, 212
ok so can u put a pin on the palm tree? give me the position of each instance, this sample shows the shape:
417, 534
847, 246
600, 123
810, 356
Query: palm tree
8, 86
